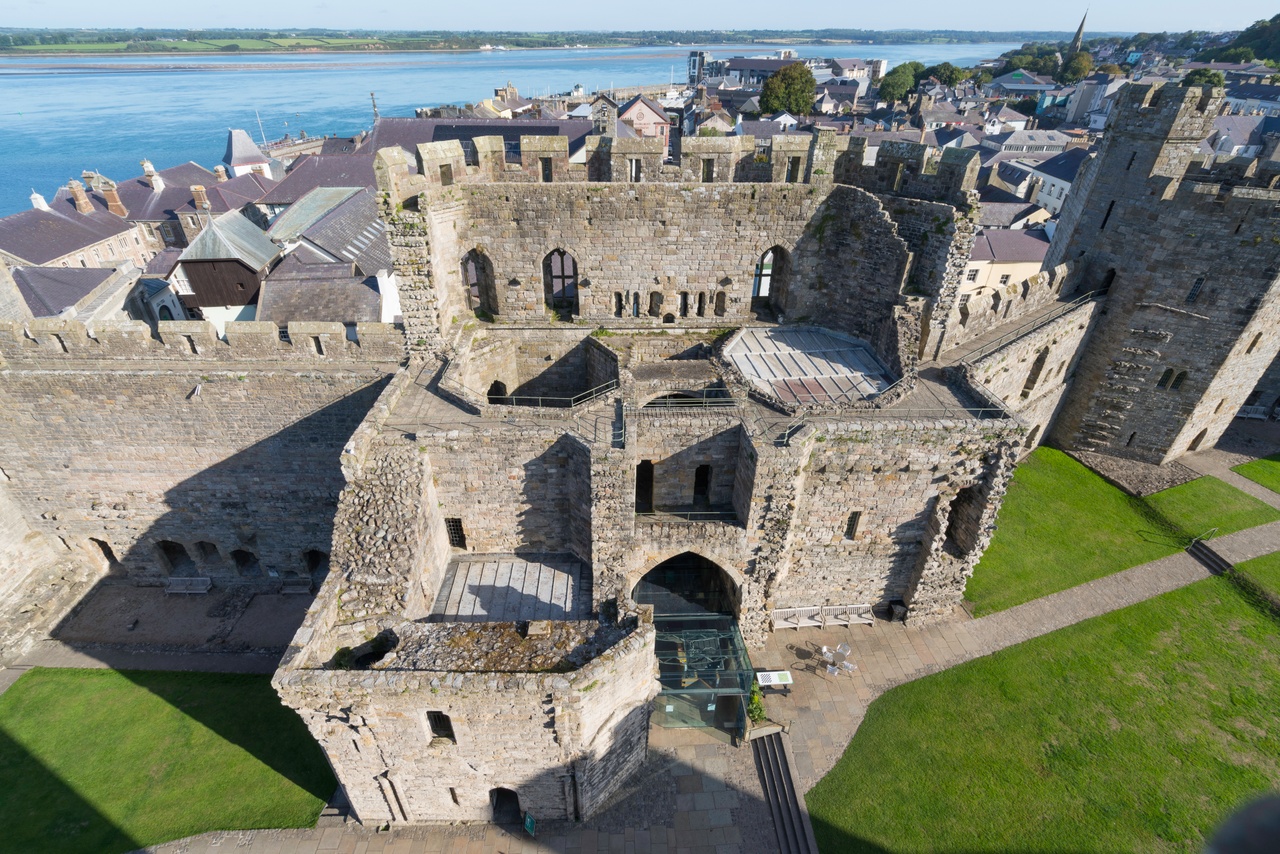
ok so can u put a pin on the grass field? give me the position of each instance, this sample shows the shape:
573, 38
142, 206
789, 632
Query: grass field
245, 44
297, 42
1265, 471
1135, 731
106, 761
1062, 525
86, 47
1264, 570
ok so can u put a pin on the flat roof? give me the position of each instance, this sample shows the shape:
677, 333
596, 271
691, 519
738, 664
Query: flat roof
505, 589
808, 365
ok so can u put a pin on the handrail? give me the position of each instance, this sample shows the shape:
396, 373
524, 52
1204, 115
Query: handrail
1204, 538
694, 515
991, 346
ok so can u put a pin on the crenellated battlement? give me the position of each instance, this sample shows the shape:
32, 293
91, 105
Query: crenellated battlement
46, 343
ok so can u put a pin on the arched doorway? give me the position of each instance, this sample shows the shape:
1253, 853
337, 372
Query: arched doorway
703, 665
477, 275
497, 393
506, 807
560, 281
769, 287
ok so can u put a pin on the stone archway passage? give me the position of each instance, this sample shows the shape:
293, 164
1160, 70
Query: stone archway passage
703, 665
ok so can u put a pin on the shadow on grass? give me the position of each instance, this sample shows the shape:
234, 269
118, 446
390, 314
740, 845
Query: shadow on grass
43, 813
251, 716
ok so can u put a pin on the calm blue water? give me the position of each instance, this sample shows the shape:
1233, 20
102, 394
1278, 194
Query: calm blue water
62, 115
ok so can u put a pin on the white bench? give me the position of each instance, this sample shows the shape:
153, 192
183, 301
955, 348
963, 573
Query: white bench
193, 584
821, 616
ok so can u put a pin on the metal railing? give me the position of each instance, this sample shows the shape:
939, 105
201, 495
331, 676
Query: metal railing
1203, 538
691, 515
990, 347
702, 398
549, 401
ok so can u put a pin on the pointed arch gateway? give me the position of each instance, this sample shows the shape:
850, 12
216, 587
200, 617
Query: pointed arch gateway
703, 665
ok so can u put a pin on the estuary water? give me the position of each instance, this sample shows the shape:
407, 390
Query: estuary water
60, 115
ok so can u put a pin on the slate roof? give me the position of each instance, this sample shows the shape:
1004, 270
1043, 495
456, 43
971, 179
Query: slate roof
339, 145
1254, 91
163, 262
1020, 78
232, 237
48, 291
241, 150
1010, 245
307, 210
329, 293
762, 129
1064, 166
746, 63
641, 99
312, 170
1003, 214
354, 232
38, 237
144, 204
1029, 137
234, 193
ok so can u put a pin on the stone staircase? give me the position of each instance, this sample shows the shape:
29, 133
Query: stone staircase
1210, 559
790, 817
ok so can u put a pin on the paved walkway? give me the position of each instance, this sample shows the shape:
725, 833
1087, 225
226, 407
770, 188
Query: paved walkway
1218, 464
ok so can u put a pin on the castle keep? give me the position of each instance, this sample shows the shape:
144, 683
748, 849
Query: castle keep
640, 414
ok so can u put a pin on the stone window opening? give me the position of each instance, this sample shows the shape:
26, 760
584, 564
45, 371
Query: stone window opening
176, 557
560, 278
962, 521
1195, 443
1165, 378
1218, 408
655, 305
1253, 344
453, 796
208, 552
1196, 287
635, 305
1107, 280
684, 304
964, 309
1178, 381
457, 536
446, 175
1107, 215
668, 318
497, 393
852, 524
769, 284
708, 170
1031, 437
793, 170
546, 169
315, 342
441, 728
477, 278
720, 304
1132, 436
1033, 376
635, 170
702, 305
644, 486
247, 564
108, 554
618, 303
995, 303
1132, 158
702, 486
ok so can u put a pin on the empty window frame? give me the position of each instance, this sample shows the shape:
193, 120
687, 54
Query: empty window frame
457, 536
1196, 287
852, 525
708, 170
635, 170
441, 727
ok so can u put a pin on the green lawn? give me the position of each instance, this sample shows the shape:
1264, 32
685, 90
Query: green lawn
106, 761
1265, 571
1062, 525
1135, 731
1265, 471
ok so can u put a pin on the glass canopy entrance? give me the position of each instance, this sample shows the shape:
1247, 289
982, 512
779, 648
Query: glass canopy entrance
703, 665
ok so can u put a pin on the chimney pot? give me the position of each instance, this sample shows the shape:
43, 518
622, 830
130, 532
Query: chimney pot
148, 169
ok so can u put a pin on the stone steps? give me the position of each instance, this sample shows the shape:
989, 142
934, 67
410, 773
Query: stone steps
790, 817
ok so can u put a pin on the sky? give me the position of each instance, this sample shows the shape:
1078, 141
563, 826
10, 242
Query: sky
1130, 16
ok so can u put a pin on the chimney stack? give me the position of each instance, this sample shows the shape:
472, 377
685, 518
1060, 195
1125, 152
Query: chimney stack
38, 201
220, 172
112, 195
152, 176
199, 197
80, 197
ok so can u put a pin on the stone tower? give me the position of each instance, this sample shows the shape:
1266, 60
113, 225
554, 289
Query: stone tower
1184, 337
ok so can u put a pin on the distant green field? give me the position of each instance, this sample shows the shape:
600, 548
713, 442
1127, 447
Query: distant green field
245, 44
349, 41
297, 42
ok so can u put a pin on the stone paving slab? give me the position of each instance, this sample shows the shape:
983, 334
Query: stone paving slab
1218, 464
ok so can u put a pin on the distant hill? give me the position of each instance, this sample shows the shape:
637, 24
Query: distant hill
1263, 39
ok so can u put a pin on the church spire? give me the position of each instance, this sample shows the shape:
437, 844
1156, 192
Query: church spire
1077, 43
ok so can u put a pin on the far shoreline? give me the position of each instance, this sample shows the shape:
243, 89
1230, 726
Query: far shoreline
9, 53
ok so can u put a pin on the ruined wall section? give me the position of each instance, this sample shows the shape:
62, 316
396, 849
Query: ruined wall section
892, 473
562, 741
1032, 373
